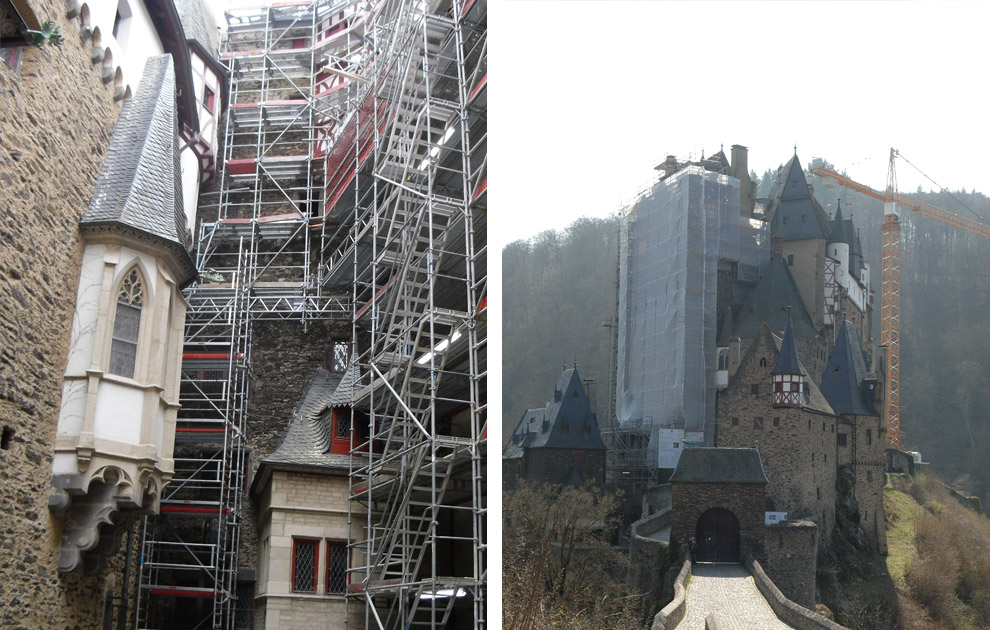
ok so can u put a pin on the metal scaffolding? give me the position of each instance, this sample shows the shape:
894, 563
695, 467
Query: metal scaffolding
352, 187
409, 177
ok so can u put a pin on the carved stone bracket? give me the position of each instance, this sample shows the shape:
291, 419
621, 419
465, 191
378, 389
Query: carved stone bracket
95, 507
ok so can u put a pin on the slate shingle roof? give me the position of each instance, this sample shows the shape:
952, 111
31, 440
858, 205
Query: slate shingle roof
199, 24
566, 421
839, 232
787, 360
307, 436
768, 302
348, 386
140, 183
719, 465
845, 375
794, 213
814, 401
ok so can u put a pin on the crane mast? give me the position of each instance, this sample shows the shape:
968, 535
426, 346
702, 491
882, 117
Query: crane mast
890, 273
890, 304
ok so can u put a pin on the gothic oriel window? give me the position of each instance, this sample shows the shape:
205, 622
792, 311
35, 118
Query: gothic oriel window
127, 325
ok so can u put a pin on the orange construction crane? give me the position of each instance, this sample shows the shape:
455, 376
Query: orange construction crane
890, 273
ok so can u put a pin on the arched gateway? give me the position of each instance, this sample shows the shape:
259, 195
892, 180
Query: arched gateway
718, 536
718, 497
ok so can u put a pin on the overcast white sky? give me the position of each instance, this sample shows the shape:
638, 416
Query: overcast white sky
587, 97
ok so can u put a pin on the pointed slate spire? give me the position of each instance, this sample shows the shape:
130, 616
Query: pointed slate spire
839, 234
787, 360
139, 188
845, 375
788, 378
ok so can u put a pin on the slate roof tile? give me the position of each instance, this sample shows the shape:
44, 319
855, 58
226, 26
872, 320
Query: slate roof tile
845, 373
140, 182
719, 465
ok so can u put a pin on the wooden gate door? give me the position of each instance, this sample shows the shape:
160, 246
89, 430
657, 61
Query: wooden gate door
718, 536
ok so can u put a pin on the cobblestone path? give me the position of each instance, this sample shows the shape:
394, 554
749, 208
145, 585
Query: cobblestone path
728, 590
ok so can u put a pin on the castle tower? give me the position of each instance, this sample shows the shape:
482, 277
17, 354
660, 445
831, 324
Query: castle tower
838, 247
788, 382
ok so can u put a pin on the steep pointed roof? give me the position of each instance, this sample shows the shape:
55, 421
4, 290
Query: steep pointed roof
199, 25
139, 188
343, 395
765, 341
787, 360
720, 159
794, 213
856, 253
566, 422
768, 302
845, 374
840, 233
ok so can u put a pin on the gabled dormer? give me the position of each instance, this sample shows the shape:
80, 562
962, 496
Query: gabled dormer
788, 380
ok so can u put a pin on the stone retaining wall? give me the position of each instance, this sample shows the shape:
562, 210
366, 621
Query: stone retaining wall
651, 524
790, 613
673, 612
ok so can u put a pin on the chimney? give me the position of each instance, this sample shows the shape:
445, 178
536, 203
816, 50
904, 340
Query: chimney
669, 167
740, 164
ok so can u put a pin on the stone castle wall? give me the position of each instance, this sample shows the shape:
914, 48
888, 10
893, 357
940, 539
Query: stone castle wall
56, 117
792, 560
797, 447
745, 500
869, 464
284, 358
551, 465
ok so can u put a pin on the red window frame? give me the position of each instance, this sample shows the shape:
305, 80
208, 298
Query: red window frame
296, 542
341, 445
347, 576
209, 98
735, 422
758, 422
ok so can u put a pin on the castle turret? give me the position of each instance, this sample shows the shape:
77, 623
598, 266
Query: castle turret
788, 380
837, 247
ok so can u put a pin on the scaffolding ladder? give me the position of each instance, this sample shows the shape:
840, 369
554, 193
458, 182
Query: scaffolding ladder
411, 173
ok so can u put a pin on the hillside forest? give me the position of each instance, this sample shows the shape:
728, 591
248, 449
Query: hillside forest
560, 306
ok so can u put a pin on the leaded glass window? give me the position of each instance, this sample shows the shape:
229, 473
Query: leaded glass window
127, 325
340, 356
336, 567
304, 566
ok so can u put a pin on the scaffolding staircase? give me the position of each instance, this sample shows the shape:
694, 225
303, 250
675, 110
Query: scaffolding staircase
413, 179
352, 185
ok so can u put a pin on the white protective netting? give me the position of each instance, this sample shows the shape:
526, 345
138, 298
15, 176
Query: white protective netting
672, 240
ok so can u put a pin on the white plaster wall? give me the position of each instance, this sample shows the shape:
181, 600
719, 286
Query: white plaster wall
118, 413
73, 412
87, 311
189, 164
140, 37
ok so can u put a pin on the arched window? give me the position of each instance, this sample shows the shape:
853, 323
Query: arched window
126, 325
